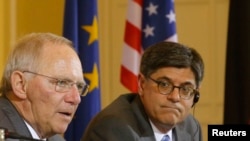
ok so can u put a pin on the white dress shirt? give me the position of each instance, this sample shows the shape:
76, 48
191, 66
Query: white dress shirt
158, 134
33, 132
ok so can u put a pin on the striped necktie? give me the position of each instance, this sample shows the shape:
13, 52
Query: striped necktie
165, 138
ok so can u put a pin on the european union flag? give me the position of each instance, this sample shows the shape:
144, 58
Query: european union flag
81, 27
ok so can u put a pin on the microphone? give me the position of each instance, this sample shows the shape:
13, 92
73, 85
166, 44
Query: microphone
4, 134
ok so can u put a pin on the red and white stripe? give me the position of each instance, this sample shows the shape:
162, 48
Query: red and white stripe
132, 49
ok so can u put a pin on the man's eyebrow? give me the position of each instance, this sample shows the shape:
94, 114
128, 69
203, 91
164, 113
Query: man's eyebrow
70, 80
165, 78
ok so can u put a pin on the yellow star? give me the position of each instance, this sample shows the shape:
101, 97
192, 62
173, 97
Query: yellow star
92, 30
93, 78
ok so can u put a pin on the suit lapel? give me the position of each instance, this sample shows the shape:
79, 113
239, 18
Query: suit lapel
180, 135
146, 131
15, 118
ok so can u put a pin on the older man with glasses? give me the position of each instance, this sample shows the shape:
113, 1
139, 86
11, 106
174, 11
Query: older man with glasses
41, 87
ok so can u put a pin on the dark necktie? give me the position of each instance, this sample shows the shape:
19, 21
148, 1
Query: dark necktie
165, 138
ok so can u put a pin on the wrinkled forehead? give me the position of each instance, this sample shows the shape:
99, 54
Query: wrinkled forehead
59, 57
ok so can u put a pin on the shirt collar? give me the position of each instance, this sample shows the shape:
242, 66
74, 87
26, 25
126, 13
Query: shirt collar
158, 134
32, 131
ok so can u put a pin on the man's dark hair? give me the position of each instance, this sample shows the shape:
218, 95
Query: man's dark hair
171, 54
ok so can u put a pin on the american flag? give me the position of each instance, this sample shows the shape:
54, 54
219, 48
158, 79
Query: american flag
148, 22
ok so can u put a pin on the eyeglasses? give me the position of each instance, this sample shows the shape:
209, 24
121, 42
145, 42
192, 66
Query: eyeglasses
65, 85
185, 91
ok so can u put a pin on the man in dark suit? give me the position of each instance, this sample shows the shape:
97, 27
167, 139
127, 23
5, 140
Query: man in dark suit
41, 87
168, 87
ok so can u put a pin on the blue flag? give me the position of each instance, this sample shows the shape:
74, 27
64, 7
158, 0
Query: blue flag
81, 27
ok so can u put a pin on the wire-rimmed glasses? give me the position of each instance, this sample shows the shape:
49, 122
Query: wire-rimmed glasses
62, 85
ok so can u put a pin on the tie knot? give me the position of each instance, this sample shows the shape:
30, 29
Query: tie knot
165, 138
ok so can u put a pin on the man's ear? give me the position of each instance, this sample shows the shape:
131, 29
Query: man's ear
141, 81
18, 83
